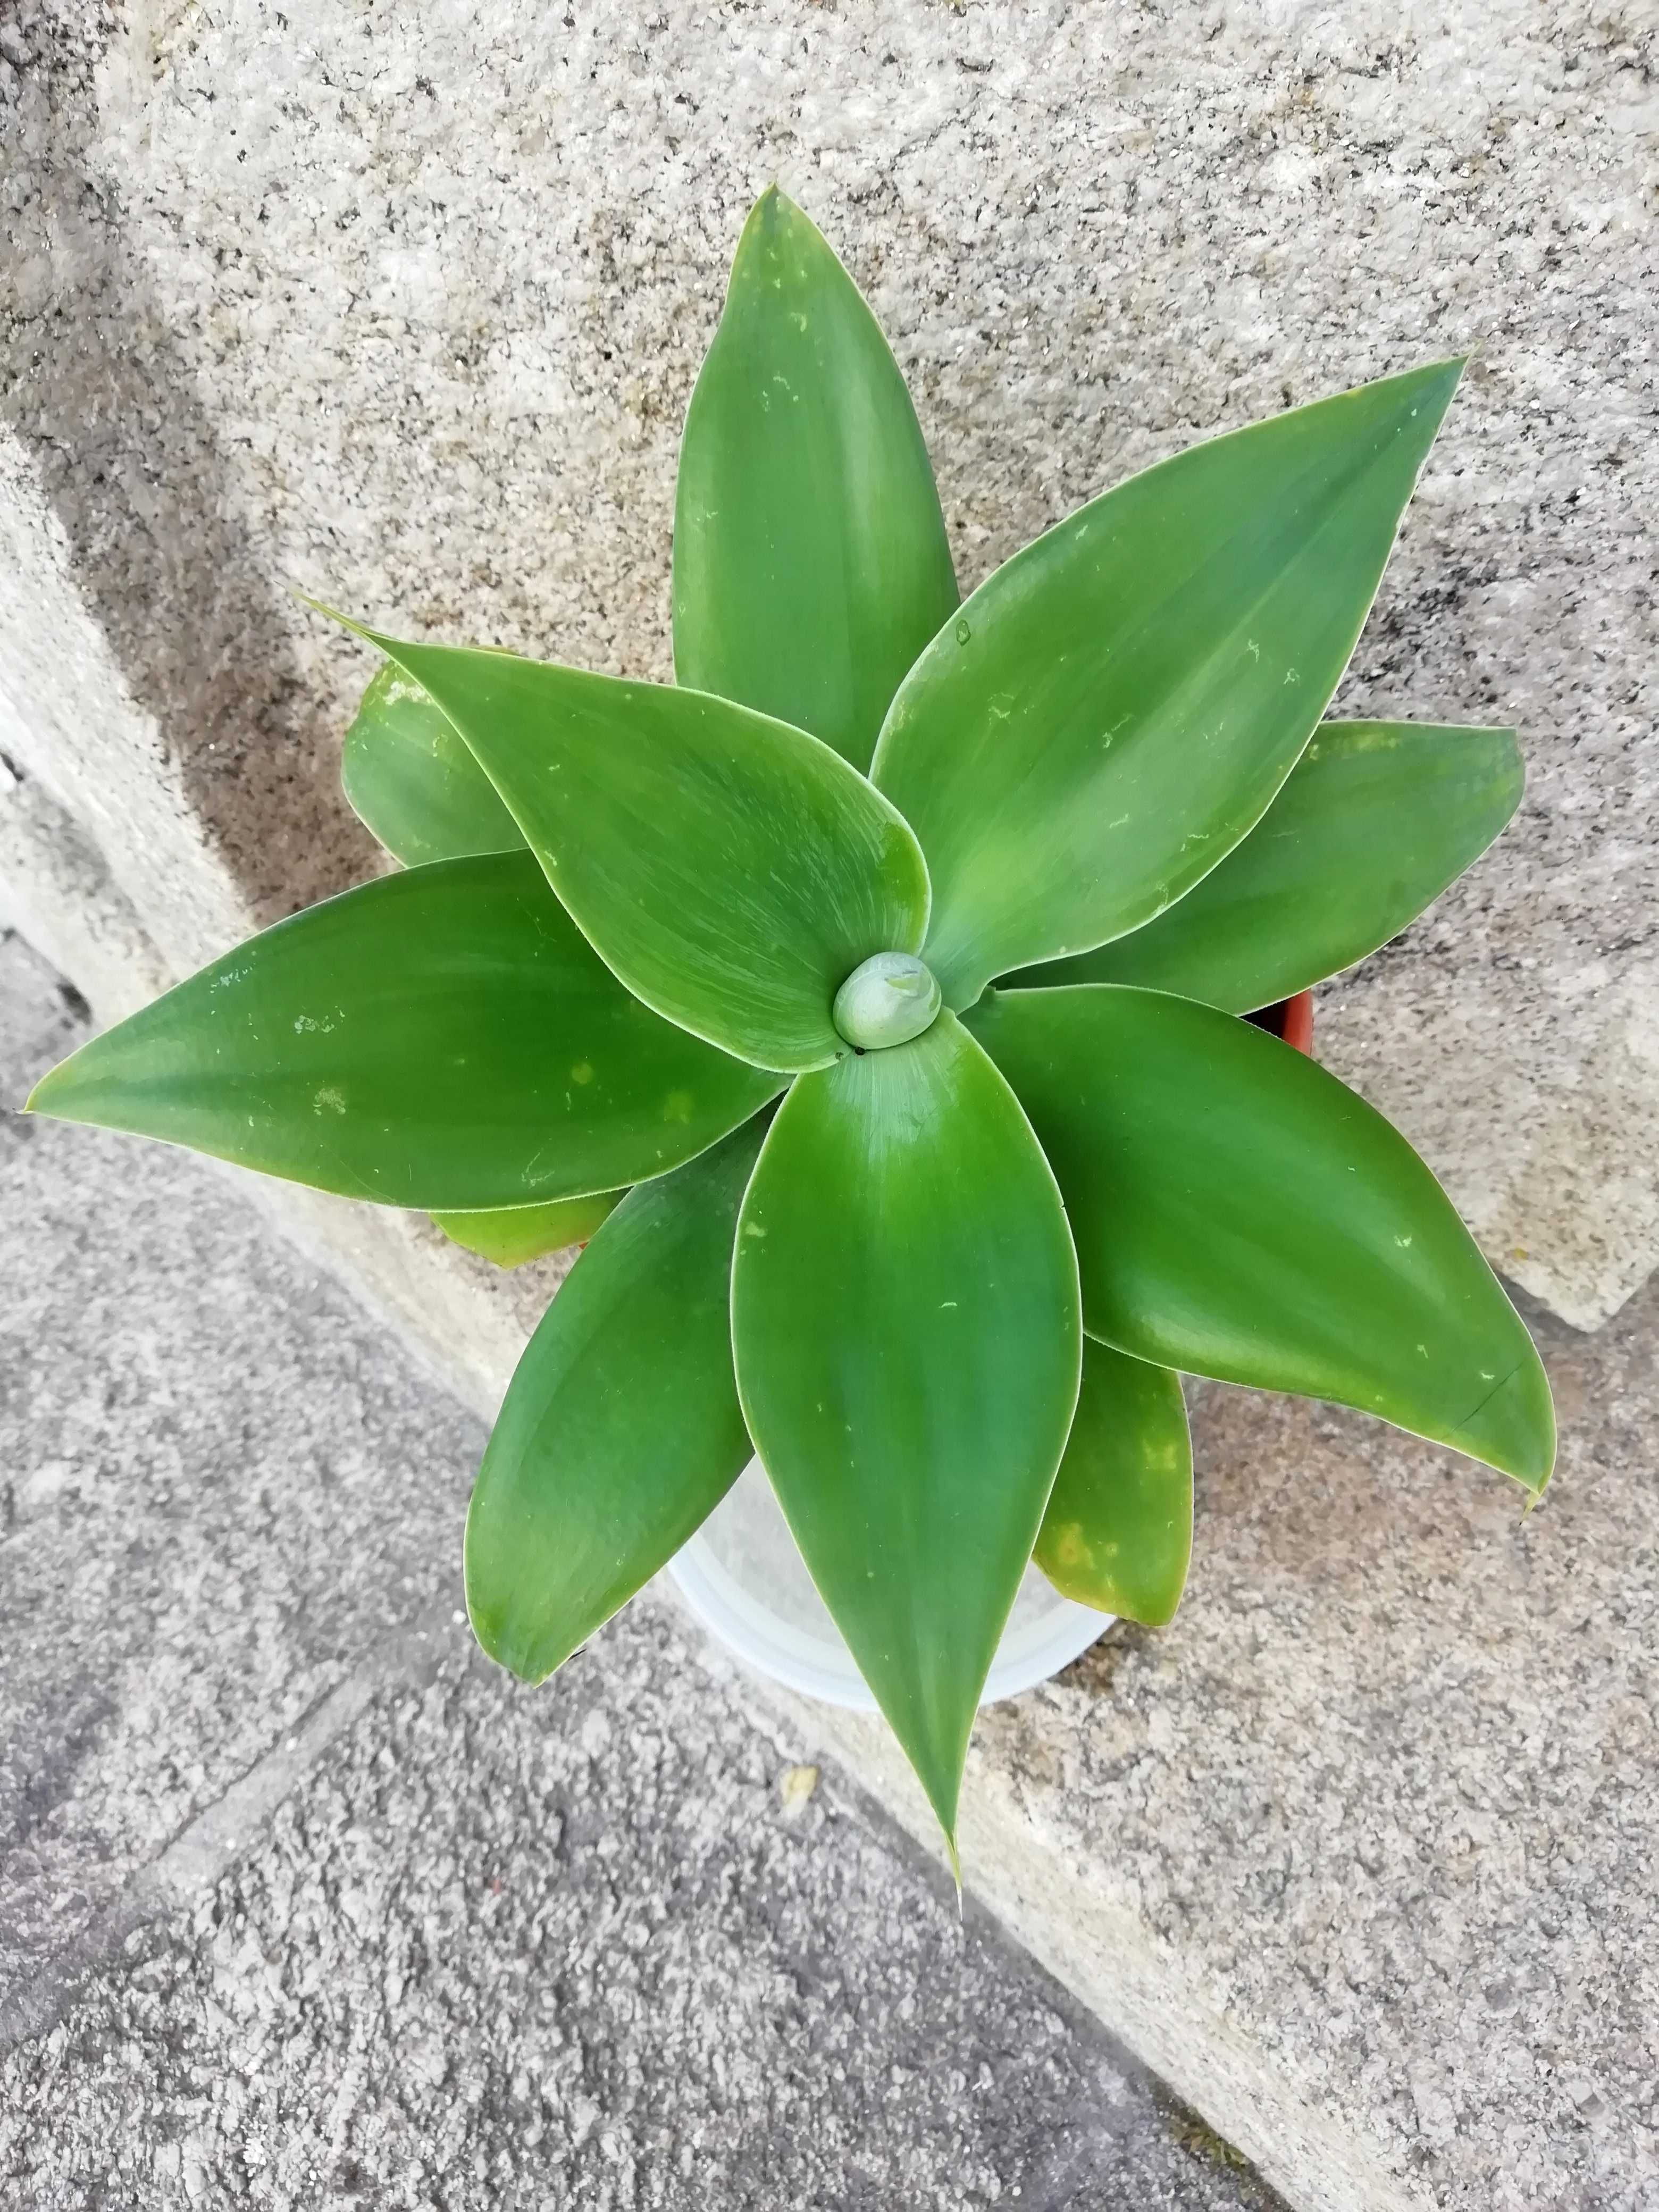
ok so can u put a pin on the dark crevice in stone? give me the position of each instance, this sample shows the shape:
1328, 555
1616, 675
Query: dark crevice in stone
98, 392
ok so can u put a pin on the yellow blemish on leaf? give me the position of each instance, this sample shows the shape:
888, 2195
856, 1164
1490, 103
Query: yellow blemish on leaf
328, 1100
582, 1072
1071, 1546
677, 1107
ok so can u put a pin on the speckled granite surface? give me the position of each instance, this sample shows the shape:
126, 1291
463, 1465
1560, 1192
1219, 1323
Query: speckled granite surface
303, 1903
407, 304
1379, 1804
1357, 1853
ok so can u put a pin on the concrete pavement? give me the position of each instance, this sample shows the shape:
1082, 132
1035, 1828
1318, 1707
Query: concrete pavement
303, 1903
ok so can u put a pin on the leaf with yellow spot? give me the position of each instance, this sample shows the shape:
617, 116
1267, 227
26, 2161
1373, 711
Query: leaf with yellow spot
1118, 1531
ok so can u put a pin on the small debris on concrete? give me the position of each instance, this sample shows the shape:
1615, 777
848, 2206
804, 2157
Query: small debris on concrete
795, 1787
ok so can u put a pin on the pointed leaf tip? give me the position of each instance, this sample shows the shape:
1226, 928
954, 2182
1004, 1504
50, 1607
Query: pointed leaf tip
1513, 1427
811, 563
776, 217
905, 1321
333, 614
621, 1430
1115, 706
773, 205
441, 1038
1239, 1212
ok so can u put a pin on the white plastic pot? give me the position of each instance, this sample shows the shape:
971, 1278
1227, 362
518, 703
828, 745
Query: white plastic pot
743, 1577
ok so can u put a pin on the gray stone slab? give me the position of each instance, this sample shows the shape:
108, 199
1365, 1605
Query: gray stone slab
432, 349
1368, 1832
502, 1951
303, 1902
219, 1494
347, 306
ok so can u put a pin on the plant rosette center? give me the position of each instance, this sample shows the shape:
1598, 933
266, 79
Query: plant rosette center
887, 1000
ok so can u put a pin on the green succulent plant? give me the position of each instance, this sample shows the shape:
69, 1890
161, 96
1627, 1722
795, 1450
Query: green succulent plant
890, 962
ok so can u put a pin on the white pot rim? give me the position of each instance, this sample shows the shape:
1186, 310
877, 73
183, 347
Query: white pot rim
1028, 1654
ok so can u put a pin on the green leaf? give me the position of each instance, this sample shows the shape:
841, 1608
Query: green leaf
1239, 1212
620, 1430
811, 565
410, 778
511, 1235
1118, 1532
905, 1319
732, 871
1114, 708
443, 1038
1375, 819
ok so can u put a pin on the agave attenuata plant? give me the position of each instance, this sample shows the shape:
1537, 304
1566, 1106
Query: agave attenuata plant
891, 961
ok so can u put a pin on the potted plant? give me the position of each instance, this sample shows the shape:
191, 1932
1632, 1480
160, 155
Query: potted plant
891, 962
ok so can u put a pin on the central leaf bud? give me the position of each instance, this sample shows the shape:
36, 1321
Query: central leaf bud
888, 1000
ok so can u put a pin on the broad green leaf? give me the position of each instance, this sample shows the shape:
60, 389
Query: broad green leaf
511, 1235
1373, 821
444, 1039
732, 871
905, 1320
1115, 706
412, 779
811, 565
1118, 1532
620, 1430
1239, 1212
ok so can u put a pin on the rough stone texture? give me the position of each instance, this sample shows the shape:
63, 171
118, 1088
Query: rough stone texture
56, 889
493, 1955
1372, 1821
160, 690
218, 1496
1357, 1853
407, 303
301, 1903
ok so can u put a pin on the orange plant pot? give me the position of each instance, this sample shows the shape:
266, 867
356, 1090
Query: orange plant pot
1291, 1019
